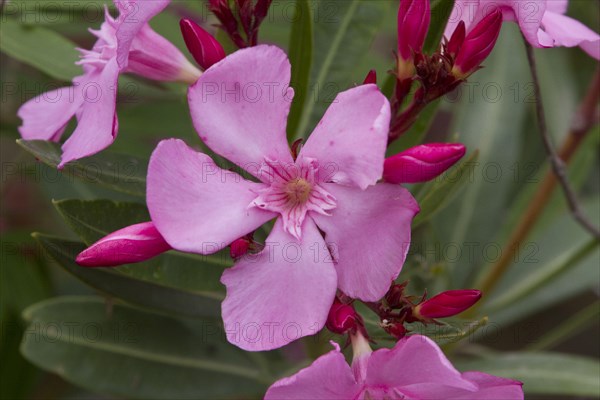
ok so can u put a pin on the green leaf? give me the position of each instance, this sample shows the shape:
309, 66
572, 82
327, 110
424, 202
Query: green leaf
117, 172
300, 52
487, 119
94, 219
130, 353
41, 48
540, 277
440, 12
344, 31
151, 294
440, 192
543, 373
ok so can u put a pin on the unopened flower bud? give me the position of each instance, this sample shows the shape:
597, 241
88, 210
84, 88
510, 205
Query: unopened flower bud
205, 49
414, 17
396, 329
395, 295
371, 77
131, 244
342, 318
446, 304
239, 247
422, 163
477, 45
457, 39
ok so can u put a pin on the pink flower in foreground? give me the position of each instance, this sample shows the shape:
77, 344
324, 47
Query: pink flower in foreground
415, 368
125, 44
239, 107
542, 22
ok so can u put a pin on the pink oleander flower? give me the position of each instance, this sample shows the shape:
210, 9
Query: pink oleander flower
132, 244
239, 107
126, 44
415, 368
542, 22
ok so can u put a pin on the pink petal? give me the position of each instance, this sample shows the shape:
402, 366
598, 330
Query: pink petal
45, 116
569, 32
133, 15
197, 206
280, 294
131, 244
369, 234
240, 105
491, 388
557, 6
350, 141
416, 366
329, 377
96, 128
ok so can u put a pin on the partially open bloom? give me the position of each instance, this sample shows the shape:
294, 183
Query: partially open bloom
415, 368
131, 244
239, 107
542, 22
447, 304
422, 163
125, 44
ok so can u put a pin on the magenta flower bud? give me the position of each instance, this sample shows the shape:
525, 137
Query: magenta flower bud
446, 304
131, 244
371, 78
478, 45
342, 317
422, 163
239, 247
205, 49
457, 39
396, 329
413, 23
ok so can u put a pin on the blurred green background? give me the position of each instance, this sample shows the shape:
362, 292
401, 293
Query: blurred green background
546, 335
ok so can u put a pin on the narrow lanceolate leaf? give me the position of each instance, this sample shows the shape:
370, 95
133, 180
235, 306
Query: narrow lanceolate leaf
440, 12
301, 50
532, 282
440, 192
130, 353
345, 30
91, 220
543, 373
118, 172
41, 48
94, 219
153, 294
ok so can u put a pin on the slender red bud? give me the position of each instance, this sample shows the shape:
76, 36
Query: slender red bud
371, 77
205, 49
446, 304
478, 45
413, 23
131, 244
422, 163
342, 317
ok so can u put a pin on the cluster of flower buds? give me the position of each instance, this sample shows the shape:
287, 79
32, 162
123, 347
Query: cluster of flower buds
243, 20
438, 73
398, 309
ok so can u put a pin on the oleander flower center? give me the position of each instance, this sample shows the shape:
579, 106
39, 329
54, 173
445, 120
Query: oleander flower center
294, 190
